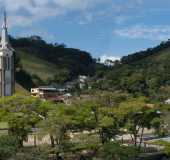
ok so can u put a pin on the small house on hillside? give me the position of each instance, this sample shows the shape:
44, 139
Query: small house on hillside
83, 81
51, 93
167, 101
44, 92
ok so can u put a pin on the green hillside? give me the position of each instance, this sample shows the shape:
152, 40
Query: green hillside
143, 73
41, 63
20, 90
36, 66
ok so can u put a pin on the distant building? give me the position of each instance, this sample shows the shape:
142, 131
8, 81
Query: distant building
43, 92
82, 81
109, 63
167, 101
47, 91
7, 81
51, 93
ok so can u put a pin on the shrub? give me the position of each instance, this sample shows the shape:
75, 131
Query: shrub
8, 146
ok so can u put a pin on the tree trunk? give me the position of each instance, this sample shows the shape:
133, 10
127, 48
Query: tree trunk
135, 140
35, 140
52, 141
101, 136
21, 143
141, 139
122, 140
135, 135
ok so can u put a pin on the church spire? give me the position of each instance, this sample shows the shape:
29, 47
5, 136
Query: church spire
4, 36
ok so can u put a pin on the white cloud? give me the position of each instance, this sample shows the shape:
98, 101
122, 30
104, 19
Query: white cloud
158, 32
42, 9
105, 57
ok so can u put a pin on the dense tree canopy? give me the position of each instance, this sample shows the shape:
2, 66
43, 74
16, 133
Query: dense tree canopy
143, 73
69, 62
90, 125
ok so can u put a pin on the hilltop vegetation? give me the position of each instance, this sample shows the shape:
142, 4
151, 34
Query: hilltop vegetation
40, 63
36, 66
145, 72
142, 73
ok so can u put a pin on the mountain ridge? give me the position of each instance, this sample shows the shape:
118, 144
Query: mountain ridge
144, 72
41, 63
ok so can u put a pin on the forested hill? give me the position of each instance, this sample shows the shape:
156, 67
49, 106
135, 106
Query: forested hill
143, 54
40, 63
145, 72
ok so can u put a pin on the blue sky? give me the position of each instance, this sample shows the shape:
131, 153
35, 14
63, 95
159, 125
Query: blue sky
105, 28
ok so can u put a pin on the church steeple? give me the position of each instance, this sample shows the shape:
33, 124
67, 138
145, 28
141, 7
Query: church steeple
7, 67
4, 36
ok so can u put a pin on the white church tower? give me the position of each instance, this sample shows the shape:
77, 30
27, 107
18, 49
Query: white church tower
7, 82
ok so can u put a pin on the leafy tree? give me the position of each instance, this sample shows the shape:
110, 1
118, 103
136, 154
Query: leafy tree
19, 127
62, 76
8, 146
20, 115
55, 124
117, 152
137, 116
108, 128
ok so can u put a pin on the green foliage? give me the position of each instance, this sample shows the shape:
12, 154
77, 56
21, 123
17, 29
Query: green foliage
22, 114
43, 63
117, 152
33, 154
8, 146
61, 76
35, 66
165, 145
143, 73
19, 126
108, 128
136, 116
87, 125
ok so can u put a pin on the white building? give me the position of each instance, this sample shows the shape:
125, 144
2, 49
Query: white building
109, 63
43, 92
82, 81
167, 101
7, 82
